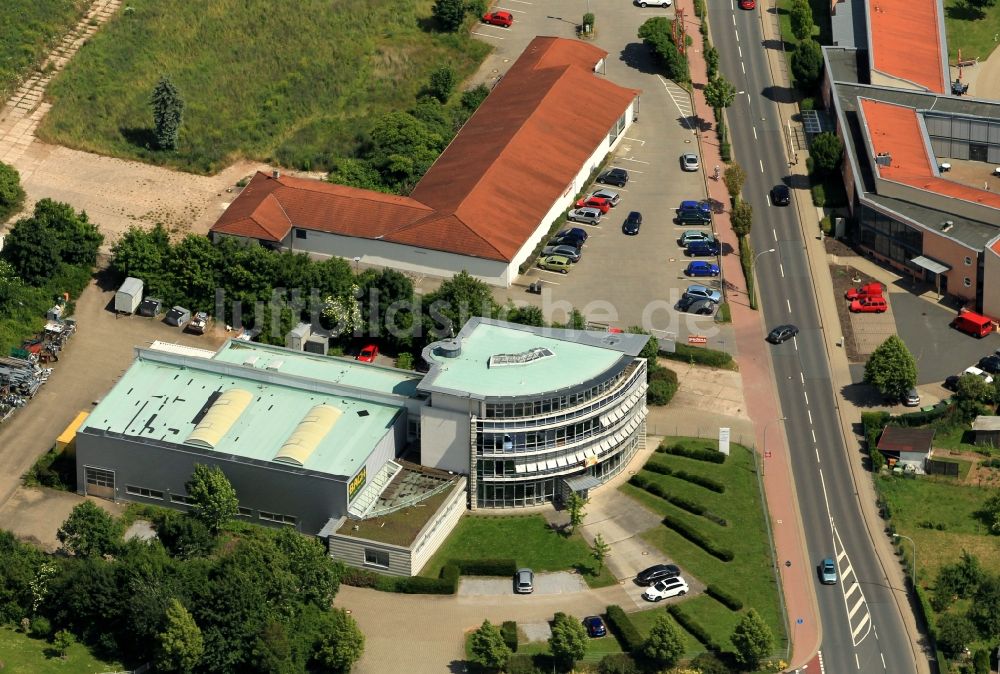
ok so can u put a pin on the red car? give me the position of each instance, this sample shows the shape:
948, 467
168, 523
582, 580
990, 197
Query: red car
867, 290
368, 354
748, 4
600, 203
869, 305
502, 19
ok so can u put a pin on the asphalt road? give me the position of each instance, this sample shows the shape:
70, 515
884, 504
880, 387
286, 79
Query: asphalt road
862, 628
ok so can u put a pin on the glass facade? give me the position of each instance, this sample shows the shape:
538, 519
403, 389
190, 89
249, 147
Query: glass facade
887, 237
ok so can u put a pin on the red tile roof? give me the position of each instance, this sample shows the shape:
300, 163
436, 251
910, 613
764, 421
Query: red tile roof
896, 129
906, 41
529, 139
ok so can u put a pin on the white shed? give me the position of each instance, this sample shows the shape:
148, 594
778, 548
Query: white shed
129, 296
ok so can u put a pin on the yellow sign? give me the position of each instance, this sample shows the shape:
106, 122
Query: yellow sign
357, 482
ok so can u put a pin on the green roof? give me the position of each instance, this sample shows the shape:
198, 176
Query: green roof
257, 416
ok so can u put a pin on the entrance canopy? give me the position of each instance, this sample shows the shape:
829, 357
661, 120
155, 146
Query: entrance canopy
584, 482
930, 265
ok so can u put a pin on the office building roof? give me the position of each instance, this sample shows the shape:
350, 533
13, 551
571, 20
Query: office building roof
907, 42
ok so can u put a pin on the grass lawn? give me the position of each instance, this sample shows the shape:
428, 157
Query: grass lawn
293, 82
525, 538
29, 29
596, 648
969, 31
750, 575
643, 620
954, 437
21, 654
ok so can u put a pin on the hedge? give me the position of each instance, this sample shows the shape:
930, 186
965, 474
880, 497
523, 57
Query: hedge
486, 566
446, 584
521, 663
818, 192
698, 538
701, 481
696, 630
730, 602
623, 627
700, 355
658, 468
696, 453
508, 630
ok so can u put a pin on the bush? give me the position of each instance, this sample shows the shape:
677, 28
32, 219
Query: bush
807, 103
818, 195
588, 21
697, 538
521, 664
725, 152
41, 627
618, 663
701, 481
700, 356
728, 600
660, 392
657, 468
508, 630
486, 567
696, 630
696, 453
404, 361
356, 577
981, 661
623, 627
657, 490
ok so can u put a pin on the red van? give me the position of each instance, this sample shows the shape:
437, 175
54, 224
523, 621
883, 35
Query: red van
973, 324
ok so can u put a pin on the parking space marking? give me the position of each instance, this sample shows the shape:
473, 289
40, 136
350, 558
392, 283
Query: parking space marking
680, 98
516, 11
635, 140
638, 161
495, 37
521, 2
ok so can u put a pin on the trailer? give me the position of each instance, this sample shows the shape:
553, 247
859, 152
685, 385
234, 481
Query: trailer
129, 296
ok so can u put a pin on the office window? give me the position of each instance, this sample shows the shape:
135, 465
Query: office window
300, 234
275, 517
968, 262
143, 491
244, 512
379, 558
181, 498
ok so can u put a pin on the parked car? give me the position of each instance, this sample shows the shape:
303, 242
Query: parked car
701, 268
951, 383
911, 398
703, 293
689, 161
593, 201
524, 581
692, 235
780, 194
748, 4
502, 19
693, 305
595, 626
990, 364
557, 263
571, 252
615, 176
828, 571
612, 197
653, 3
868, 290
656, 573
979, 373
664, 589
566, 240
588, 216
973, 324
869, 305
632, 223
692, 205
702, 249
694, 216
575, 232
368, 354
782, 333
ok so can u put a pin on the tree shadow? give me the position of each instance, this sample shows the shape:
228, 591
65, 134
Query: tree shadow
780, 94
139, 137
797, 182
778, 45
637, 55
106, 278
862, 395
964, 11
428, 24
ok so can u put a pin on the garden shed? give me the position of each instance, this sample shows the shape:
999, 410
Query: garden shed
986, 430
129, 296
907, 448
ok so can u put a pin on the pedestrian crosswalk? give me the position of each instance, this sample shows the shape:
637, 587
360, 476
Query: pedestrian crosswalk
855, 603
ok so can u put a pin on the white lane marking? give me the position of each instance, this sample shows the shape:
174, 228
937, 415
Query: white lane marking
850, 590
822, 484
740, 51
774, 232
875, 631
856, 661
761, 165
795, 341
743, 67
817, 455
734, 23
857, 605
883, 660
813, 431
860, 621
802, 378
807, 397
638, 161
781, 268
516, 11
754, 132
789, 303
635, 140
495, 37
810, 416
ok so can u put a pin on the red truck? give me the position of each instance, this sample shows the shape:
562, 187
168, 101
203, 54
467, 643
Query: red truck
868, 290
973, 324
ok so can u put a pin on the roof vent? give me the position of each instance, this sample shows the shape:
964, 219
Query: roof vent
451, 348
883, 159
275, 364
947, 225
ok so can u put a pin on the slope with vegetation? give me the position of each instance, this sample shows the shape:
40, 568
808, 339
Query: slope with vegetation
29, 28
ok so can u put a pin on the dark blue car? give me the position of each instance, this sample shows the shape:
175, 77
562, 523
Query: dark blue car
700, 268
595, 626
691, 205
702, 249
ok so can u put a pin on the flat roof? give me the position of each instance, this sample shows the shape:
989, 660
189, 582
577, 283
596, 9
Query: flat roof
248, 416
907, 41
336, 370
553, 359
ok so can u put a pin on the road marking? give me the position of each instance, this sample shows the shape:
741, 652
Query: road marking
807, 397
860, 621
822, 484
740, 51
521, 2
850, 591
857, 605
754, 132
548, 271
638, 161
516, 11
775, 233
734, 23
813, 431
817, 455
635, 140
761, 165
802, 378
743, 67
781, 268
789, 303
883, 659
856, 661
631, 170
495, 37
810, 416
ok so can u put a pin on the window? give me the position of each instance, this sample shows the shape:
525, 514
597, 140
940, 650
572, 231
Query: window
143, 491
181, 498
100, 478
275, 517
379, 558
968, 262
967, 282
300, 234
244, 512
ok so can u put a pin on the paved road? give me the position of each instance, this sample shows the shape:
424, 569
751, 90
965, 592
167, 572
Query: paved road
862, 628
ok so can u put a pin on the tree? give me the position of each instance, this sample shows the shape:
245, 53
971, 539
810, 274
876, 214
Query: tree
985, 610
355, 172
456, 301
826, 150
11, 192
474, 97
401, 148
891, 368
575, 505
807, 63
741, 218
526, 315
168, 113
341, 643
752, 639
442, 83
601, 550
54, 234
272, 651
62, 641
213, 499
317, 575
488, 648
185, 536
954, 632
449, 14
89, 531
719, 93
735, 177
802, 20
179, 646
973, 387
568, 642
991, 512
663, 646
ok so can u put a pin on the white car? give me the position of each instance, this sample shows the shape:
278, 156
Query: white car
979, 373
674, 587
654, 3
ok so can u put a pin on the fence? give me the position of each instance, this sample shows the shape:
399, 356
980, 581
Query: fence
936, 467
681, 429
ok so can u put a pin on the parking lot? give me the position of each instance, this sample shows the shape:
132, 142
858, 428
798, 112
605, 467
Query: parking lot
622, 280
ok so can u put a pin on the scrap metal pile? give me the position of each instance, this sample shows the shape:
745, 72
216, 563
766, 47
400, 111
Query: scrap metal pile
22, 374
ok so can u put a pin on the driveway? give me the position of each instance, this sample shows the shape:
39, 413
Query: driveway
561, 582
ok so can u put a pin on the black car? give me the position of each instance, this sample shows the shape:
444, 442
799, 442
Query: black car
563, 239
951, 383
657, 573
990, 364
615, 176
782, 333
632, 223
781, 195
696, 305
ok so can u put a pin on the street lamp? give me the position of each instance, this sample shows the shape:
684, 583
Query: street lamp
913, 561
753, 275
765, 442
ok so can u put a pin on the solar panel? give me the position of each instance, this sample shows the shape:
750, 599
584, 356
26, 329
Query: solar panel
529, 356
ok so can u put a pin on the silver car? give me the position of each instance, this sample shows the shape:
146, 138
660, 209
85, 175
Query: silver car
570, 252
524, 581
689, 161
588, 216
612, 196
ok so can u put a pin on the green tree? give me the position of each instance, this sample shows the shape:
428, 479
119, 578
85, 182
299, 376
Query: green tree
600, 551
316, 574
168, 114
741, 218
985, 610
355, 172
272, 651
11, 192
213, 499
807, 64
657, 35
973, 387
89, 531
442, 83
720, 93
184, 536
575, 505
991, 512
801, 19
752, 640
387, 307
474, 97
180, 646
401, 148
53, 234
953, 633
826, 149
449, 14
487, 647
734, 177
526, 315
341, 643
62, 641
568, 642
664, 645
24, 578
142, 253
891, 368
194, 270
457, 300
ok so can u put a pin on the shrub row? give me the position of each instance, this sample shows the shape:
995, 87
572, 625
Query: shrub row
486, 567
696, 453
696, 630
521, 663
624, 628
700, 356
508, 630
724, 597
698, 539
700, 480
446, 584
648, 485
